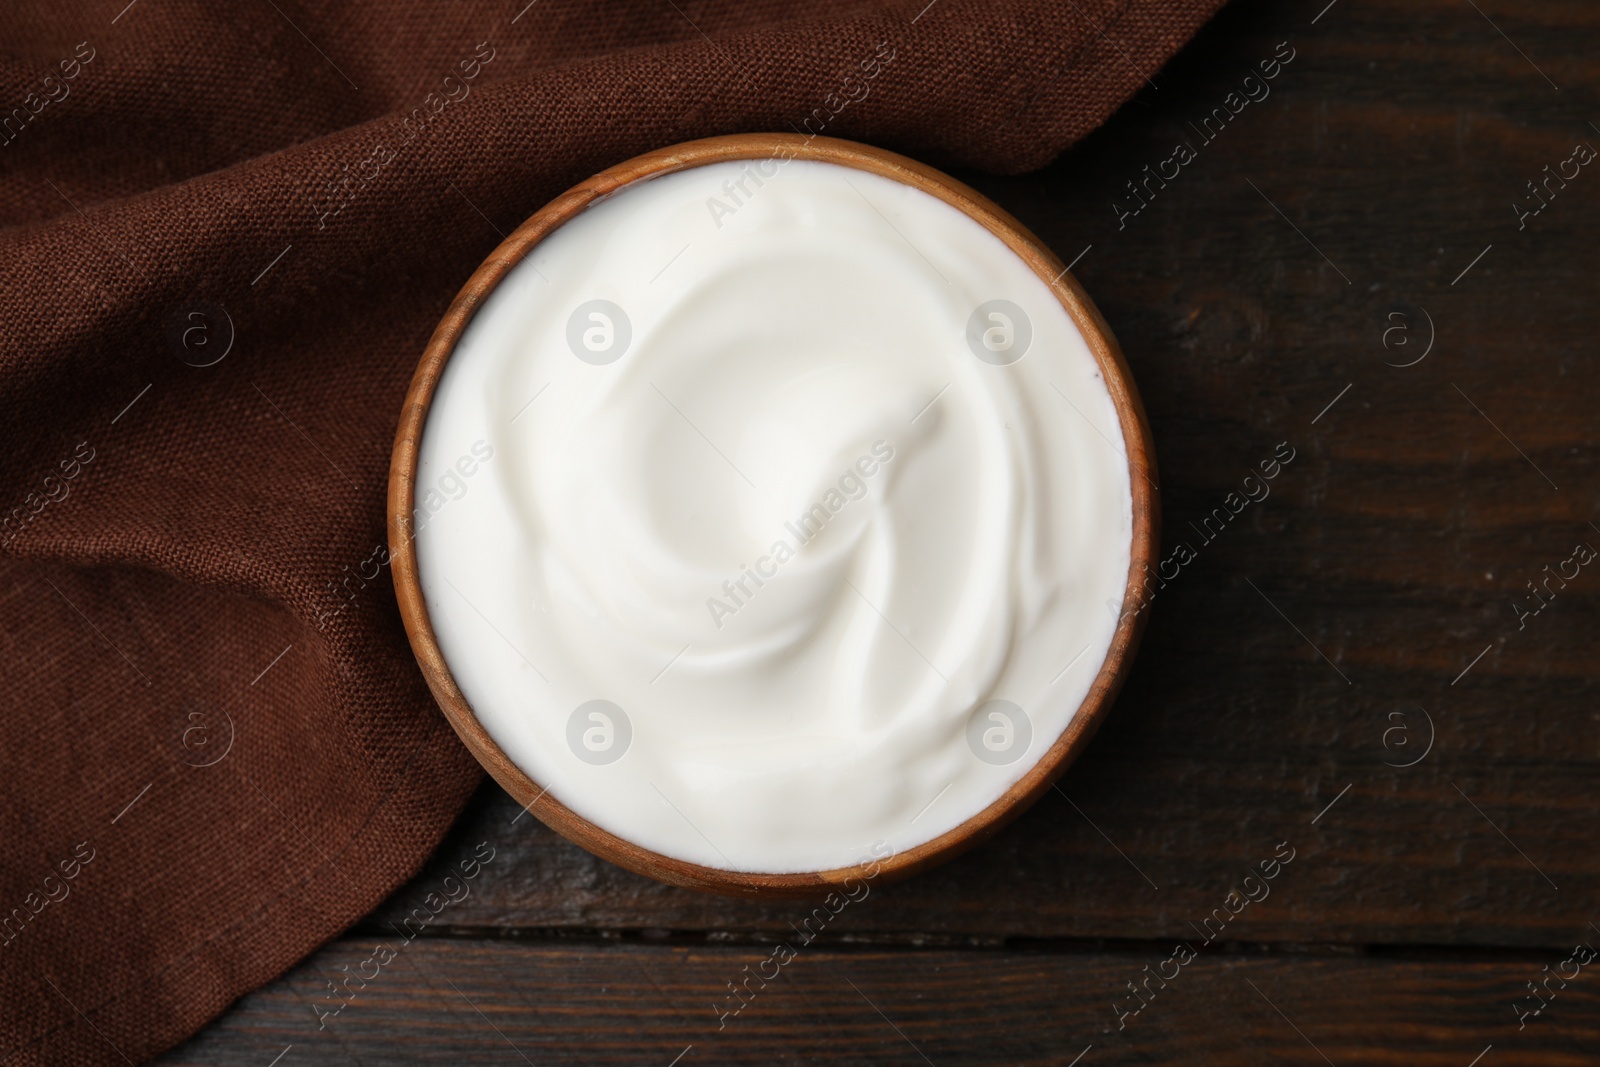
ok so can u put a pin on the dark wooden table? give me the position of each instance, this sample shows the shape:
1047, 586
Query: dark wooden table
1341, 268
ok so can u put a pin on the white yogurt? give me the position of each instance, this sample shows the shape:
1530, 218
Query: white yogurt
796, 471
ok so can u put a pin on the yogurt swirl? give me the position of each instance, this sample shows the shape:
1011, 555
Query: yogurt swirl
809, 521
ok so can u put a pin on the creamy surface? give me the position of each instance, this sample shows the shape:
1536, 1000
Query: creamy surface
796, 472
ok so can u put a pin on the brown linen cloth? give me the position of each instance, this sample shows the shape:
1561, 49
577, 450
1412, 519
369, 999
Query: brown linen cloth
218, 751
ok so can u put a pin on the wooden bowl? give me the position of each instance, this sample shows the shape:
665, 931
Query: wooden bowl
402, 486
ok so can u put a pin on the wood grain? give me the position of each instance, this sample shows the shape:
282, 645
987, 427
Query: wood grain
444, 1001
1395, 861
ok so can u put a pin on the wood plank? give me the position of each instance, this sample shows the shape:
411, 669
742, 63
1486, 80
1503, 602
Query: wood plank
1362, 875
453, 1001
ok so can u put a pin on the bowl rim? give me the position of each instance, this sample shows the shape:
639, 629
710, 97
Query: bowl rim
783, 146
